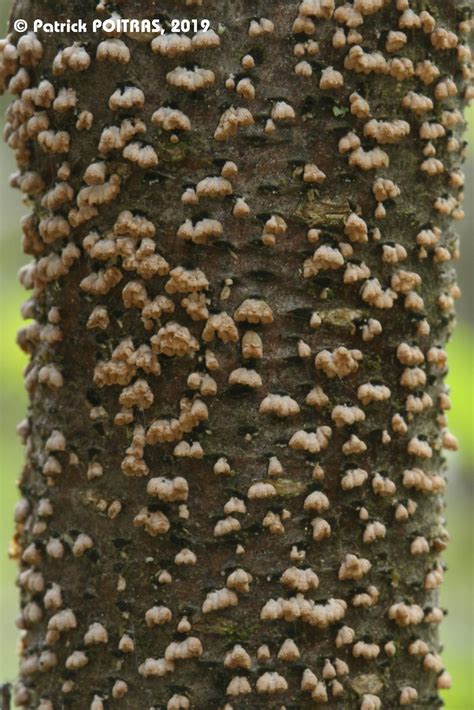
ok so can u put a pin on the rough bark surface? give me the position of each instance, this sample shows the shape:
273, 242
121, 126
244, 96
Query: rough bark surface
241, 289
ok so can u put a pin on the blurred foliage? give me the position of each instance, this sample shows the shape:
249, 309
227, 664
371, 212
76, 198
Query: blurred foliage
461, 382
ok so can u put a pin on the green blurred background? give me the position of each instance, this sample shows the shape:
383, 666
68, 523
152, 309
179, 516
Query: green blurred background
457, 591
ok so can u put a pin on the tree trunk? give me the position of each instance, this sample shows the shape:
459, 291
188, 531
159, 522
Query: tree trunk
242, 287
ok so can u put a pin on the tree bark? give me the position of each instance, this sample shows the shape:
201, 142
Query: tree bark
242, 285
5, 696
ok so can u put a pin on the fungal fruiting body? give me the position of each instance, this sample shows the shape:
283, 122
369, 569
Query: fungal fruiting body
241, 287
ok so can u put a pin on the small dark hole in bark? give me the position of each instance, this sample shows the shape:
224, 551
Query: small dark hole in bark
349, 465
302, 313
254, 529
232, 492
240, 75
382, 40
242, 431
292, 360
93, 555
93, 397
122, 85
327, 240
120, 542
201, 215
323, 282
303, 386
222, 244
374, 438
224, 105
264, 216
347, 177
258, 54
124, 606
155, 507
299, 163
182, 539
268, 187
89, 595
154, 176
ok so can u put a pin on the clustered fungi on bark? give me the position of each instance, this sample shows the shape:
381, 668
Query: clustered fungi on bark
241, 290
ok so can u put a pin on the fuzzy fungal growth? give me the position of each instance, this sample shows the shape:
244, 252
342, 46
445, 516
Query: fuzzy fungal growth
241, 285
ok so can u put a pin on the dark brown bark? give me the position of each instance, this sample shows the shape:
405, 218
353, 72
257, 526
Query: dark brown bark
5, 696
329, 261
